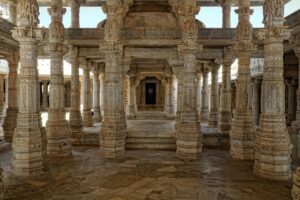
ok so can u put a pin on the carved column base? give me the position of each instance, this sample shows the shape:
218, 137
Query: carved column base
97, 117
213, 119
296, 185
224, 125
188, 137
87, 118
2, 187
112, 137
58, 134
75, 124
29, 150
242, 135
204, 114
272, 148
9, 124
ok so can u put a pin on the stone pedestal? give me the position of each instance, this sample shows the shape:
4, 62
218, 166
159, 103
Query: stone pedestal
29, 140
224, 125
213, 115
204, 97
45, 95
75, 121
87, 115
272, 141
10, 121
96, 95
242, 129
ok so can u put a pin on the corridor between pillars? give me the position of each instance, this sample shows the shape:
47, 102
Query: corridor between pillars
272, 141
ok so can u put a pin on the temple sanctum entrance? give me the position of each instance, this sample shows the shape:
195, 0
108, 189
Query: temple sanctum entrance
150, 93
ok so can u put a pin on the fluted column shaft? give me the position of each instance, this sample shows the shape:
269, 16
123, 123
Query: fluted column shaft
29, 140
225, 107
242, 129
272, 141
87, 110
45, 95
96, 96
75, 121
204, 97
10, 121
213, 115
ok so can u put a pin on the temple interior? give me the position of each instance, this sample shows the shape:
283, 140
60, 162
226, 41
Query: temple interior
150, 104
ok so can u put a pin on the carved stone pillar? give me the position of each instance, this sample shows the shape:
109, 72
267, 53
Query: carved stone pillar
213, 115
12, 13
10, 121
113, 129
225, 108
272, 141
57, 127
256, 100
75, 10
171, 108
96, 95
226, 10
204, 96
199, 94
296, 123
45, 95
291, 101
2, 95
188, 134
242, 130
101, 78
75, 121
132, 106
28, 159
87, 116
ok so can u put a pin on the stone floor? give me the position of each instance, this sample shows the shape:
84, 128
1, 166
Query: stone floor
145, 175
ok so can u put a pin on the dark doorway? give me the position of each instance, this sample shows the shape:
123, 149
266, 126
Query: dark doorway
151, 93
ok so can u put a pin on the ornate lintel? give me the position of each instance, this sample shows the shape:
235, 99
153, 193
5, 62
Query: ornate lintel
189, 47
109, 47
280, 33
28, 34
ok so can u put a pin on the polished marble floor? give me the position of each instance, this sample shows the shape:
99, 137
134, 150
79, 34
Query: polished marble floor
144, 175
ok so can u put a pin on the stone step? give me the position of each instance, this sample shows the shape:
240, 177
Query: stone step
151, 116
166, 143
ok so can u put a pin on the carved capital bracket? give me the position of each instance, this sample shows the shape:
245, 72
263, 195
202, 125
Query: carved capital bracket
277, 33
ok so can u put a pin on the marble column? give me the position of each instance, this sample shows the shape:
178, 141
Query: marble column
242, 128
188, 133
256, 100
87, 115
10, 121
213, 115
28, 159
45, 95
113, 128
75, 11
291, 101
199, 94
75, 121
226, 10
132, 106
2, 96
171, 108
57, 127
224, 125
204, 96
272, 141
96, 95
101, 78
13, 13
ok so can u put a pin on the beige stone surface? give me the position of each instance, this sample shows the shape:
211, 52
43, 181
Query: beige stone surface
144, 175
